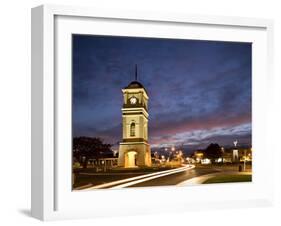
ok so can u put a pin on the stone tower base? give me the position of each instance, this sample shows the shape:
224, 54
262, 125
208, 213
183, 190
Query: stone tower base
134, 154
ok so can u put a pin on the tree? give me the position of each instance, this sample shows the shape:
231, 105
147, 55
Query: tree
85, 148
213, 151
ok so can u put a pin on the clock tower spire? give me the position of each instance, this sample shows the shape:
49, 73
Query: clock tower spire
136, 72
134, 150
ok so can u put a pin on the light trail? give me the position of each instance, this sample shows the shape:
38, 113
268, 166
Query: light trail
152, 177
137, 178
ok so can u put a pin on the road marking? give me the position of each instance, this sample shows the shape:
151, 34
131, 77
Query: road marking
203, 178
137, 178
152, 177
195, 180
102, 174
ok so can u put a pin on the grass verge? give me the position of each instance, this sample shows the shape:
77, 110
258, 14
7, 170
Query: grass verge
229, 179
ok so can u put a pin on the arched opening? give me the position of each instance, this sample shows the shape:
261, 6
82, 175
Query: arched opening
130, 159
133, 129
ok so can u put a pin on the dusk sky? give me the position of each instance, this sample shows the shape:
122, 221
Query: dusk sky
200, 91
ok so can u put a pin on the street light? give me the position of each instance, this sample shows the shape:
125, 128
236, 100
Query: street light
222, 150
235, 143
245, 156
235, 151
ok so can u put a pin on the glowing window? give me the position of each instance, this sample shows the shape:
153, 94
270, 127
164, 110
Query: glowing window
133, 129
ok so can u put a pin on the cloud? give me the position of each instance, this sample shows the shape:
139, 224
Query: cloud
192, 85
202, 137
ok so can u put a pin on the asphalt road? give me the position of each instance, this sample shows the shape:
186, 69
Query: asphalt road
93, 179
177, 178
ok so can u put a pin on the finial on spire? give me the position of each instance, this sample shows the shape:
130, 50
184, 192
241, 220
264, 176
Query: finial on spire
136, 72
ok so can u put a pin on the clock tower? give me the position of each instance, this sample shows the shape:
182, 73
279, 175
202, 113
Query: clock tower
134, 150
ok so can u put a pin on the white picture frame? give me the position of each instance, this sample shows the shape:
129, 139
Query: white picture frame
52, 197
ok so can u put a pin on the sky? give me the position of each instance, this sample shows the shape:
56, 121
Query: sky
199, 91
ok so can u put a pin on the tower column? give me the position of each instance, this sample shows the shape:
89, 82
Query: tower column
134, 150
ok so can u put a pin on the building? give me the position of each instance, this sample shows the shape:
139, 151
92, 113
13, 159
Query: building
134, 150
106, 163
229, 155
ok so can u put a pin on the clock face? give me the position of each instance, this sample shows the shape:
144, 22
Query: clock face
133, 100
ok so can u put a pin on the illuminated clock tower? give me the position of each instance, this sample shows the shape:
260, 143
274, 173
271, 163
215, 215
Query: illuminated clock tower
134, 150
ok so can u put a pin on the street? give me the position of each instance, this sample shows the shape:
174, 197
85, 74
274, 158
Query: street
176, 176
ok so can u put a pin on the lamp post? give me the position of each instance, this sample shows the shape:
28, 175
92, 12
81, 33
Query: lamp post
222, 151
245, 156
236, 154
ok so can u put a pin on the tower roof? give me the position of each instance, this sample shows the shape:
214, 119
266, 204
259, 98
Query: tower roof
134, 84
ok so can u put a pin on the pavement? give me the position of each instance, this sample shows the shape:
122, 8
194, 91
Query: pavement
203, 178
182, 176
128, 182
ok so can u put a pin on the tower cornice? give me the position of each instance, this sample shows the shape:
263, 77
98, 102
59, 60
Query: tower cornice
135, 111
135, 90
